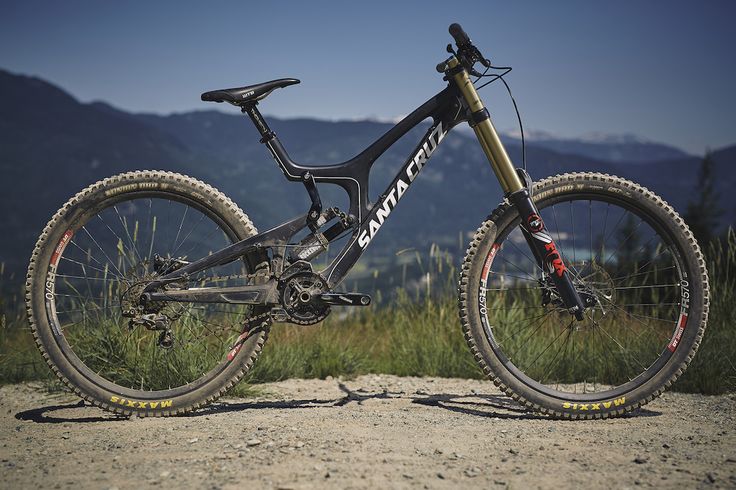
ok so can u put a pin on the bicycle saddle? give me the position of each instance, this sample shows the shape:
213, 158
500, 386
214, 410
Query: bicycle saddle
251, 93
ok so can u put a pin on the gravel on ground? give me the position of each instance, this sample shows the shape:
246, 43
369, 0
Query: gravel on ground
370, 432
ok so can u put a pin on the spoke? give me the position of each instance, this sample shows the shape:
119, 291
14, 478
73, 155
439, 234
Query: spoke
93, 268
124, 224
603, 235
624, 242
646, 304
572, 224
641, 249
557, 353
534, 262
96, 307
590, 228
510, 308
645, 265
637, 316
551, 343
120, 274
86, 278
605, 238
120, 242
621, 278
86, 253
538, 324
205, 240
529, 277
505, 274
183, 241
150, 225
623, 350
563, 256
557, 226
181, 225
648, 287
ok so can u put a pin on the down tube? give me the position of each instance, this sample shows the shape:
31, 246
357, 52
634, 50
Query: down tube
386, 203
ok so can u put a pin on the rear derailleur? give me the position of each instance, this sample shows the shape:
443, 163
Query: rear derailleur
155, 321
155, 316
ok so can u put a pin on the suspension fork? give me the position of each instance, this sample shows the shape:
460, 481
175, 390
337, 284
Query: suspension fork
535, 232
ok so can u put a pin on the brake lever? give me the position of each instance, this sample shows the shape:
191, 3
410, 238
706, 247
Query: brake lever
477, 56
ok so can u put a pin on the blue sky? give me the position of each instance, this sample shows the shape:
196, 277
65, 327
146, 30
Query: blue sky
663, 70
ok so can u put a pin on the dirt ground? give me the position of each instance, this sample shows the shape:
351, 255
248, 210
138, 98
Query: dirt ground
371, 432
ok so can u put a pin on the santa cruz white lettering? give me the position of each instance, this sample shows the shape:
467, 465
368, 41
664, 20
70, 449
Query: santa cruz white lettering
411, 171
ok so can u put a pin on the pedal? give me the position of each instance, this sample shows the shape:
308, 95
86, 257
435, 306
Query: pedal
345, 299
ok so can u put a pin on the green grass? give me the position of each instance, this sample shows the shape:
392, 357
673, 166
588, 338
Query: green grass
415, 334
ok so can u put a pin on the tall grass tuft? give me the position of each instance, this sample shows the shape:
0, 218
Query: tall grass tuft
713, 370
415, 332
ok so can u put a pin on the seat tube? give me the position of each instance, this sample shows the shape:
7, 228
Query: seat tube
486, 133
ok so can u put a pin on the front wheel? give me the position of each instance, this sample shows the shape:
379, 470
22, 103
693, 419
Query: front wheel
630, 255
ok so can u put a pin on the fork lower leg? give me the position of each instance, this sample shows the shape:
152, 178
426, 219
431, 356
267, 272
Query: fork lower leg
545, 251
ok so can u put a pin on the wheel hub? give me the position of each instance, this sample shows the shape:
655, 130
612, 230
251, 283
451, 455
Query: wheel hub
152, 315
592, 282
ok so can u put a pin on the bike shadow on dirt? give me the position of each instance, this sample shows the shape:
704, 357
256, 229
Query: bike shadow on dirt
485, 405
46, 415
474, 404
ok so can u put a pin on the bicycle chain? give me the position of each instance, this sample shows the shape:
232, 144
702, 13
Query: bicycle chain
226, 278
247, 327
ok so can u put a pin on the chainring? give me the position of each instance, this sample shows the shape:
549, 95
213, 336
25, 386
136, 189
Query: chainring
300, 298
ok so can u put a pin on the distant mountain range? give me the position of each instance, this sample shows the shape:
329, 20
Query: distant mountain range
625, 148
51, 146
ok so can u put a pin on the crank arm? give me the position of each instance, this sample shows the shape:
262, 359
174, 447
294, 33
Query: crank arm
260, 294
345, 299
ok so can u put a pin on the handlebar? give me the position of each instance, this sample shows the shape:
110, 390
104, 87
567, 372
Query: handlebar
467, 53
461, 38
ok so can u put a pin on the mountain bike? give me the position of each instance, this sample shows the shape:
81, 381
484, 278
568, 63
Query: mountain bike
581, 295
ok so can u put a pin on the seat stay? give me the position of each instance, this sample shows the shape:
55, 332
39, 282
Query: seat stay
278, 236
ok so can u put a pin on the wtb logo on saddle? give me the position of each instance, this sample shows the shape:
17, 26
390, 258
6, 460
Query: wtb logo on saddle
412, 169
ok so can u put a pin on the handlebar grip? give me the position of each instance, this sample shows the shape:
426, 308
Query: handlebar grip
461, 38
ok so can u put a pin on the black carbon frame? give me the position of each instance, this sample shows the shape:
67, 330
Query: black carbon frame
446, 111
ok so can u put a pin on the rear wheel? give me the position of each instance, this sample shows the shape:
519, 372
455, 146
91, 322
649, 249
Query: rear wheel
633, 260
88, 271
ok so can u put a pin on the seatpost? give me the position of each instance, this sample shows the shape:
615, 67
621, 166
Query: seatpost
258, 121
